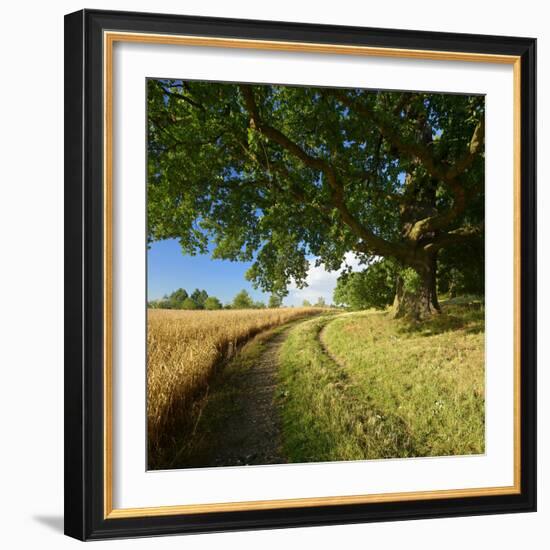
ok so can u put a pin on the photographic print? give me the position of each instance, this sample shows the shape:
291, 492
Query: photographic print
300, 274
315, 264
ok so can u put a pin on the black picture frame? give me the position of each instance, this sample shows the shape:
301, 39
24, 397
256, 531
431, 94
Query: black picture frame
84, 281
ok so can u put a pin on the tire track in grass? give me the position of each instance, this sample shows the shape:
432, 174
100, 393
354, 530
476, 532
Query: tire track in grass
328, 416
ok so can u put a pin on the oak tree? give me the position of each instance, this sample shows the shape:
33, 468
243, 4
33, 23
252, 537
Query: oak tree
277, 174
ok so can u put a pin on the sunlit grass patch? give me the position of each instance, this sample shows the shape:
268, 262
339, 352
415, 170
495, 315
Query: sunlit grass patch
367, 386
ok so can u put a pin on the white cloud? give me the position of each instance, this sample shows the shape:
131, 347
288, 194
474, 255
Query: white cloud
320, 282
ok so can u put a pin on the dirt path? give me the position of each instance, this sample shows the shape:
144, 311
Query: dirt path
252, 434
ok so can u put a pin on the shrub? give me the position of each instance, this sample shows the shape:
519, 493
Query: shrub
189, 304
372, 288
212, 303
242, 301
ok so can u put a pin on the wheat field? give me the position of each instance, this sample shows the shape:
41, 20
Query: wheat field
183, 350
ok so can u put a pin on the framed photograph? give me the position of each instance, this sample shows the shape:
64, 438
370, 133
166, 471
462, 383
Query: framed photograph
300, 274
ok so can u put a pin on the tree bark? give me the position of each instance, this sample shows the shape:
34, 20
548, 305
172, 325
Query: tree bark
433, 284
420, 302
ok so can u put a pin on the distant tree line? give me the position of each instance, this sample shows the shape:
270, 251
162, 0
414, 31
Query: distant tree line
199, 299
319, 303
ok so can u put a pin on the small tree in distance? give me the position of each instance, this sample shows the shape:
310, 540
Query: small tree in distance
306, 303
242, 301
188, 303
320, 302
178, 296
199, 297
275, 301
212, 303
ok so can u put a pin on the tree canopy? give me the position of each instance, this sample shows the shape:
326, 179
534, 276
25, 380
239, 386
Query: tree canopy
189, 303
212, 303
199, 299
275, 301
371, 288
243, 300
180, 299
172, 301
277, 174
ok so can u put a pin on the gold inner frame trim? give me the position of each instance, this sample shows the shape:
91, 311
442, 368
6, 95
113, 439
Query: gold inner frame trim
109, 39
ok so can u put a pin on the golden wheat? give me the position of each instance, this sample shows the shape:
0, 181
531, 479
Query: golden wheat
183, 347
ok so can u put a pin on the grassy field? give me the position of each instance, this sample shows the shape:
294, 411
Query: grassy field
350, 386
183, 350
364, 386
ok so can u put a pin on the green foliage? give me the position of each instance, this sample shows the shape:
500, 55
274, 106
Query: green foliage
461, 269
320, 302
189, 303
306, 303
179, 299
242, 301
275, 301
178, 296
412, 281
371, 288
199, 297
275, 174
212, 303
172, 301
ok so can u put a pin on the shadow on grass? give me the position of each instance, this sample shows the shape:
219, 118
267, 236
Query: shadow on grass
467, 317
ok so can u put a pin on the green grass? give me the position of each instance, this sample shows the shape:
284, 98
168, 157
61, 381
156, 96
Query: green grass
364, 386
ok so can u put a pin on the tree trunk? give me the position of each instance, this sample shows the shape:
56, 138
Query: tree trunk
419, 300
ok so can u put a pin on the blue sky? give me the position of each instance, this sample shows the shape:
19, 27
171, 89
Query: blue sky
168, 269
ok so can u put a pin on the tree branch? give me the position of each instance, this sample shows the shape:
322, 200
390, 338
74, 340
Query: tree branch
274, 168
375, 244
457, 236
474, 148
277, 136
185, 98
411, 149
423, 153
